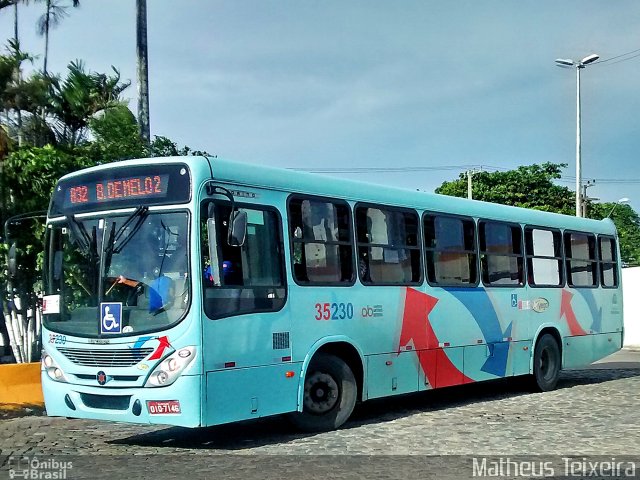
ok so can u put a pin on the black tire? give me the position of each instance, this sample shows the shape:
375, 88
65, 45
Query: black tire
547, 363
330, 393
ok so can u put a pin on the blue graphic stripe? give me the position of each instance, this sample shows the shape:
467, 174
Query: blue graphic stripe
496, 364
477, 301
141, 341
596, 312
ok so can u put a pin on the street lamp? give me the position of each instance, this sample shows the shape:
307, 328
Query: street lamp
619, 202
568, 63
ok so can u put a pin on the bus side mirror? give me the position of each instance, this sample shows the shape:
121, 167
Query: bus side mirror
13, 261
238, 230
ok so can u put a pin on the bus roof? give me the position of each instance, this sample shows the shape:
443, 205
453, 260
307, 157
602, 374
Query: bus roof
255, 175
309, 183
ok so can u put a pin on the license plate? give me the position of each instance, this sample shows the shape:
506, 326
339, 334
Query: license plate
163, 407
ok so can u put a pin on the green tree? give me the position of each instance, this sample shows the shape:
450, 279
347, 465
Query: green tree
69, 123
11, 87
74, 100
627, 223
32, 172
529, 186
164, 147
30, 175
532, 186
115, 136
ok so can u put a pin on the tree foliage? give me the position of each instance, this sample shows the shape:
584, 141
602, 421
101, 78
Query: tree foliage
51, 125
528, 186
531, 186
74, 100
627, 223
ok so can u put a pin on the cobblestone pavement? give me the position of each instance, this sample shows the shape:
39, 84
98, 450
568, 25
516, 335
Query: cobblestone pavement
593, 412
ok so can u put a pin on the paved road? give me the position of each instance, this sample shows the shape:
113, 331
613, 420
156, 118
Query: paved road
593, 412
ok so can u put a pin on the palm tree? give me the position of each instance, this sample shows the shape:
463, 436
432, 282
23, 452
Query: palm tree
54, 14
143, 71
11, 91
73, 101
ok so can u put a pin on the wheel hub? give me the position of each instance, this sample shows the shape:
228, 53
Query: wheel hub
321, 393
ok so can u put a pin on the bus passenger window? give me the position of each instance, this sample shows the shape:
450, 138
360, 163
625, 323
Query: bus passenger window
544, 257
580, 254
451, 250
251, 277
322, 251
501, 254
608, 262
388, 249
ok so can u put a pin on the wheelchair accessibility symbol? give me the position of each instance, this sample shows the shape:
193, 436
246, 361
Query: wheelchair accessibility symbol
111, 317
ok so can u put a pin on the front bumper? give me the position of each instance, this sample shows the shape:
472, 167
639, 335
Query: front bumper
124, 404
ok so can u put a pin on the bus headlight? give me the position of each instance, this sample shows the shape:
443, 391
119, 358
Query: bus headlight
50, 366
171, 367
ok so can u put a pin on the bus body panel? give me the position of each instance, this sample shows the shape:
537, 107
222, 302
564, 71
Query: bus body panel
245, 393
408, 337
118, 404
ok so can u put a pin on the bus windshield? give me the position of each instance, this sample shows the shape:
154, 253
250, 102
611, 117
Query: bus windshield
139, 260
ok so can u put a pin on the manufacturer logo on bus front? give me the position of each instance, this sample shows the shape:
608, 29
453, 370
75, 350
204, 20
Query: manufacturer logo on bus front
101, 377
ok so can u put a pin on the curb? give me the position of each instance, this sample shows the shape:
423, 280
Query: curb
20, 386
632, 348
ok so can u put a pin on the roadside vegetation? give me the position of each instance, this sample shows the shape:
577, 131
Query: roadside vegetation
51, 124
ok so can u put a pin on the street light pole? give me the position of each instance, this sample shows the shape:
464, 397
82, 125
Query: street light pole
578, 148
578, 66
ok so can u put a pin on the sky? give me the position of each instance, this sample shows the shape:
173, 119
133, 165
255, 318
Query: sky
413, 84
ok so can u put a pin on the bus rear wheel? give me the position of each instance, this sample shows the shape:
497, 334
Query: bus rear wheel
547, 362
330, 393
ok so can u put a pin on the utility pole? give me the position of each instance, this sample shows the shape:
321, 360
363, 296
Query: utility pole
470, 182
585, 198
143, 71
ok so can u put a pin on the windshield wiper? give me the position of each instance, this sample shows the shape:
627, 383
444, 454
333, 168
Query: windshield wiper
113, 246
80, 234
138, 216
166, 245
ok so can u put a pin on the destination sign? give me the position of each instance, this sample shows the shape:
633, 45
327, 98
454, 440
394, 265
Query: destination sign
122, 187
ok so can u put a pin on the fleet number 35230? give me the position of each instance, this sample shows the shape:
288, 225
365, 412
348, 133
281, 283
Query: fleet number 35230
333, 311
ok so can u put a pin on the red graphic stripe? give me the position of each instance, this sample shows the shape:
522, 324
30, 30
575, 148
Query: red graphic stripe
436, 365
566, 310
164, 344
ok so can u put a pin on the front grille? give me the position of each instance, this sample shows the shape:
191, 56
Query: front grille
107, 402
105, 357
118, 378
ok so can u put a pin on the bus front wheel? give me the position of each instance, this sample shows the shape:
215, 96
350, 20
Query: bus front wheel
330, 393
546, 363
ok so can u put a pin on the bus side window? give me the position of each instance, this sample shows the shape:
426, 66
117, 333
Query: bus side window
388, 251
322, 250
251, 276
501, 253
544, 257
451, 250
608, 262
581, 261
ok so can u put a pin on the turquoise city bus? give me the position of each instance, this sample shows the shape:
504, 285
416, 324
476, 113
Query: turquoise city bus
199, 291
